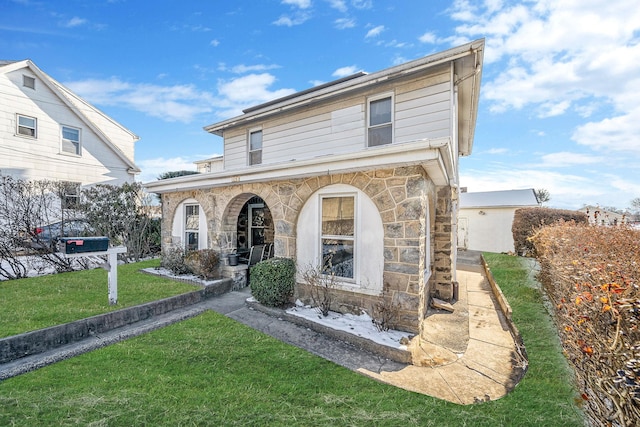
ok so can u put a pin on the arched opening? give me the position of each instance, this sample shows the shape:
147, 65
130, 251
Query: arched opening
247, 222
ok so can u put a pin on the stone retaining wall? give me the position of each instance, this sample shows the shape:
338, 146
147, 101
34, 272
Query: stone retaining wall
35, 342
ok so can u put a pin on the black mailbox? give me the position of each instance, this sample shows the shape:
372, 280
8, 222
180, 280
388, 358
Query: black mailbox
76, 245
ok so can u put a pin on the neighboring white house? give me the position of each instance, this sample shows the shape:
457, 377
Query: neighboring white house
213, 164
600, 216
48, 132
485, 218
358, 177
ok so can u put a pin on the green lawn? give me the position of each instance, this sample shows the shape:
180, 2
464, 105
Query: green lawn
211, 370
39, 302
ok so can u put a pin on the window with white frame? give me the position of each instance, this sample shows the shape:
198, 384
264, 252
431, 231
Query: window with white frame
28, 81
379, 124
338, 235
191, 226
255, 147
27, 126
70, 140
70, 195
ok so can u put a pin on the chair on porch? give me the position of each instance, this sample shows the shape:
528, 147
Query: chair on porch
255, 256
268, 252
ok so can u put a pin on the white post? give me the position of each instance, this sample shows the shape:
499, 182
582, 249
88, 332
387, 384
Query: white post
111, 266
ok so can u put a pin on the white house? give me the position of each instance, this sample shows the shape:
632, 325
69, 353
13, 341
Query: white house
600, 216
358, 177
48, 132
485, 218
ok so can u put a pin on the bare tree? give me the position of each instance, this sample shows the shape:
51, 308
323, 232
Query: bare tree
542, 195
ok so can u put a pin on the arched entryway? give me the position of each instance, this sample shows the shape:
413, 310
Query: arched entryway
247, 222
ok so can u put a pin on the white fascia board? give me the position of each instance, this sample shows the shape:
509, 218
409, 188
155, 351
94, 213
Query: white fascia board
423, 152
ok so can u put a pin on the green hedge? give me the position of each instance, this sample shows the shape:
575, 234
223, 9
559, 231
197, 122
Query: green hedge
272, 281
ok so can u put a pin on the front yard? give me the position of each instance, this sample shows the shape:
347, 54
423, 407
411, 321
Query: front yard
211, 370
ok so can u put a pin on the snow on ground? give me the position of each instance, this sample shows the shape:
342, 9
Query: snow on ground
361, 325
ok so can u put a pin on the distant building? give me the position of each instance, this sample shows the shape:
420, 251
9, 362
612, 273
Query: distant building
485, 218
599, 216
48, 132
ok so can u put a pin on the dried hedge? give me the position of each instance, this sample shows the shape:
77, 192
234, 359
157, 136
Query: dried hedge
527, 220
591, 275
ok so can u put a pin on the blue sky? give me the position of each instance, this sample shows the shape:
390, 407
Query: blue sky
560, 97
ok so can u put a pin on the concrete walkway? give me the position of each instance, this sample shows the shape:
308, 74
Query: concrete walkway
478, 361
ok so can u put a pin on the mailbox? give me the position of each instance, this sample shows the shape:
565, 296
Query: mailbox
76, 245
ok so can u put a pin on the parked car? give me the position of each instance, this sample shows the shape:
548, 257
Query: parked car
47, 236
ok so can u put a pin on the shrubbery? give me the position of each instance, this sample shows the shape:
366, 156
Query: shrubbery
527, 220
272, 281
204, 263
591, 274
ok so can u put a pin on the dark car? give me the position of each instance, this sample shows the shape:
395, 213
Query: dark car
47, 236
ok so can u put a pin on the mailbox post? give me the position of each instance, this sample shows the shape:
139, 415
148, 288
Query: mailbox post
74, 247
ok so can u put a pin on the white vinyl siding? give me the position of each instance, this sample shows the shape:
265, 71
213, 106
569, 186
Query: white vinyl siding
421, 110
44, 159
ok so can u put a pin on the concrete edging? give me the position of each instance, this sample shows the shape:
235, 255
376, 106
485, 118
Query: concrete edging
395, 354
41, 340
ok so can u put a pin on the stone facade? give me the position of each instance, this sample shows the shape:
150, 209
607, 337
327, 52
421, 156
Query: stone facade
406, 199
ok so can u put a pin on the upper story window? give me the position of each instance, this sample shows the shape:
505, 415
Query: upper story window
255, 147
71, 140
380, 125
28, 81
27, 126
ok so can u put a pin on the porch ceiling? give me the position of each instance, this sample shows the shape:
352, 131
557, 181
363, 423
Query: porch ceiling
422, 152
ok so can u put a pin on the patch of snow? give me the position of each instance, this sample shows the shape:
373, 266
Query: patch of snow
190, 278
361, 325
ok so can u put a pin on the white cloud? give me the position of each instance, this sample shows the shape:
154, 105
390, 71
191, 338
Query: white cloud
343, 23
246, 91
298, 18
619, 133
374, 32
559, 55
171, 103
427, 37
214, 43
565, 158
338, 4
362, 4
302, 4
183, 103
242, 68
345, 71
74, 22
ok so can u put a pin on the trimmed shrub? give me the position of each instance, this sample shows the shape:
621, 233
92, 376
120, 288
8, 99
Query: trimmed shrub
527, 221
272, 281
173, 260
204, 263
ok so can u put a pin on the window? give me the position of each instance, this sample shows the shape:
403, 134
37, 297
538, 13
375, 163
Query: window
338, 235
70, 195
71, 140
191, 226
28, 81
380, 128
27, 126
255, 147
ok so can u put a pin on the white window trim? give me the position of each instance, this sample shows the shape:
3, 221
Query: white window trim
191, 230
78, 152
378, 97
249, 151
346, 282
18, 125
